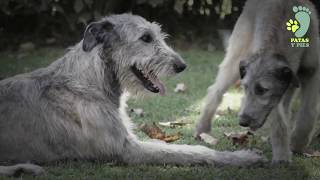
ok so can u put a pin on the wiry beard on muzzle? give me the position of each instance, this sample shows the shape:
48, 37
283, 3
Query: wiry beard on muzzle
141, 79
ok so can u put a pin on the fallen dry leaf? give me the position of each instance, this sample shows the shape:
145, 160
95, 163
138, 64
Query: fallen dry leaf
264, 139
154, 132
241, 138
208, 139
139, 112
180, 87
173, 124
166, 124
225, 112
311, 153
171, 138
220, 113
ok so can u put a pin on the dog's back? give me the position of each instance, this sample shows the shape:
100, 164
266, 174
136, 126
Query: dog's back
22, 124
268, 20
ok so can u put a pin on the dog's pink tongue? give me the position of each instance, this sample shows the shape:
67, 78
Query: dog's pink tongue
159, 84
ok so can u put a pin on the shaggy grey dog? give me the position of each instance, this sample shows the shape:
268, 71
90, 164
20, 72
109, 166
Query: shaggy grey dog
75, 107
271, 69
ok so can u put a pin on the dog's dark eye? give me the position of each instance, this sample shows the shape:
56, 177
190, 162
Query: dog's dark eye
259, 90
146, 38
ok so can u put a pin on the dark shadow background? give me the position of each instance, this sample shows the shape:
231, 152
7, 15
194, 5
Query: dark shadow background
62, 22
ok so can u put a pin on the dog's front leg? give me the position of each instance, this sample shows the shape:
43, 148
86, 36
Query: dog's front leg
228, 74
280, 137
137, 152
306, 117
308, 112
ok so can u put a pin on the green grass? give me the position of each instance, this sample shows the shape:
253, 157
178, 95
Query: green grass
202, 67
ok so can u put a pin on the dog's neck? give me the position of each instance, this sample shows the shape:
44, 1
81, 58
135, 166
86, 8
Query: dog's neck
111, 84
90, 71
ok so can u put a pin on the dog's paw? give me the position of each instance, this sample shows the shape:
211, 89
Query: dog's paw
298, 145
19, 169
251, 158
201, 128
280, 163
245, 158
31, 169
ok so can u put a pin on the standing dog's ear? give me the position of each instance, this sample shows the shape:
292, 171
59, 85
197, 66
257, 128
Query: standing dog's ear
96, 32
285, 74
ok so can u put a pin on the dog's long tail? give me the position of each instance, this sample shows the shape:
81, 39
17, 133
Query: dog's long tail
162, 153
17, 169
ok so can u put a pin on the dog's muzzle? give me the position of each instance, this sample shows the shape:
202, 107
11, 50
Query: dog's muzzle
179, 64
245, 120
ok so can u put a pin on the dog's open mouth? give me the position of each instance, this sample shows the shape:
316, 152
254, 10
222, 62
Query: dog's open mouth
149, 80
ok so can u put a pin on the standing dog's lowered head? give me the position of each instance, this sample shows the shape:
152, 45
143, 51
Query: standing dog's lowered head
265, 78
74, 108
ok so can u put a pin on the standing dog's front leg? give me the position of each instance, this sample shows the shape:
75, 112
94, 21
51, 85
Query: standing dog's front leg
228, 74
281, 129
308, 112
137, 152
280, 135
306, 115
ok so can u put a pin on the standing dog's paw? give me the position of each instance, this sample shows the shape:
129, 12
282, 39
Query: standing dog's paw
201, 128
280, 163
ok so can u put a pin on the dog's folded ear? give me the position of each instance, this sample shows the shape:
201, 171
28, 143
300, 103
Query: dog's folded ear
285, 74
96, 33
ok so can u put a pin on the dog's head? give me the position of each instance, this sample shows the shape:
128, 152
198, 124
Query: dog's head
138, 50
264, 78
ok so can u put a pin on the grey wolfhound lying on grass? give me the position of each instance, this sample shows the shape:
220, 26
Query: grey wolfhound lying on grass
74, 108
271, 68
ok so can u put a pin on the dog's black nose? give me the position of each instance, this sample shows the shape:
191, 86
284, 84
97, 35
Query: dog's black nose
245, 120
178, 63
179, 67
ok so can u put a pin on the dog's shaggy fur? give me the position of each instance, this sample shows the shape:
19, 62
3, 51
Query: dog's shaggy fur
75, 108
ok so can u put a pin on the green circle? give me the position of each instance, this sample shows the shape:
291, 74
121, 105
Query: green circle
295, 9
